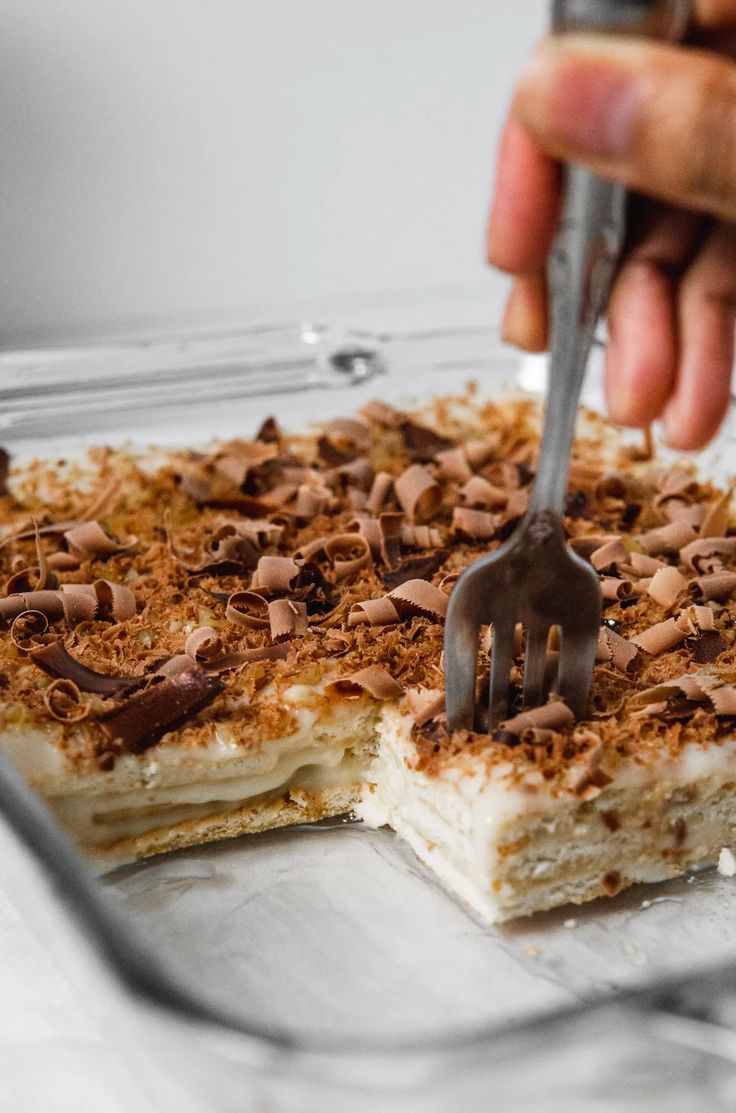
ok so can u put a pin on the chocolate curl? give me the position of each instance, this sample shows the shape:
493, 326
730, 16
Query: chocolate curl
276, 652
140, 721
643, 565
312, 550
348, 554
610, 553
425, 704
347, 433
696, 551
479, 450
203, 644
287, 618
718, 587
675, 482
381, 413
688, 685
311, 500
422, 443
667, 584
380, 491
677, 511
47, 602
452, 463
62, 562
373, 612
482, 495
44, 579
114, 601
722, 696
373, 681
243, 609
79, 603
26, 627
274, 574
517, 503
56, 661
64, 702
448, 582
715, 522
667, 539
418, 493
420, 537
552, 716
613, 589
615, 650
260, 532
417, 597
473, 525
89, 541
269, 431
415, 568
587, 545
696, 620
660, 637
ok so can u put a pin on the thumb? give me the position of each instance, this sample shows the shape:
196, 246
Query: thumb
661, 119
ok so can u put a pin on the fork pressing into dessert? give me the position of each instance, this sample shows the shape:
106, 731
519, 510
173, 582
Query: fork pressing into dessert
534, 579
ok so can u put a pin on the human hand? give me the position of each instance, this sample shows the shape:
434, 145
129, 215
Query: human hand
662, 120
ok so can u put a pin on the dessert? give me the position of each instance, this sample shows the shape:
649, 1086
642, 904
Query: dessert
196, 644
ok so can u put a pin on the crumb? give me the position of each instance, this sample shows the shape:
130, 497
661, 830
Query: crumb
726, 863
570, 924
531, 951
645, 904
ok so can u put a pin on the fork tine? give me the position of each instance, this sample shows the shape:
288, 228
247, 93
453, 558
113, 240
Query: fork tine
462, 633
502, 649
535, 664
577, 658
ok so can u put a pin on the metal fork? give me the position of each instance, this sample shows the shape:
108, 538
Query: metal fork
534, 579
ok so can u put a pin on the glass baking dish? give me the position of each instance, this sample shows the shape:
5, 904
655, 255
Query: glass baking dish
323, 967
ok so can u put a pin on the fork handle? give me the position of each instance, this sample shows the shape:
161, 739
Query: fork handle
580, 270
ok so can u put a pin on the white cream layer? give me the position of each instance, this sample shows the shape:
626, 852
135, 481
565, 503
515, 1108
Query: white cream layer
455, 821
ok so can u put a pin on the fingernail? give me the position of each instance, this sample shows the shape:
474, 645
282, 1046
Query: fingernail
578, 100
524, 320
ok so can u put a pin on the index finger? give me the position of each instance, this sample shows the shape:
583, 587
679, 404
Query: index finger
714, 14
526, 203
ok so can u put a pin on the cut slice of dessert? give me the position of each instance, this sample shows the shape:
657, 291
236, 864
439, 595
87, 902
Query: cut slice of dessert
195, 644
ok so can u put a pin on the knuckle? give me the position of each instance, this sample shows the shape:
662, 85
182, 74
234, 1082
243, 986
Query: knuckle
708, 168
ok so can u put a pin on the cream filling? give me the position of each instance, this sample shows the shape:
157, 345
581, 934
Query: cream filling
457, 821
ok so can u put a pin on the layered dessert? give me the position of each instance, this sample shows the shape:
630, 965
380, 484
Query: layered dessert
198, 644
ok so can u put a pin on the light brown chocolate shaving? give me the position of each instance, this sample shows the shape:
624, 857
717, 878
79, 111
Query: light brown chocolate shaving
666, 586
247, 608
474, 525
373, 681
114, 601
610, 553
274, 574
287, 618
482, 495
555, 715
660, 637
418, 493
381, 489
718, 586
615, 650
644, 565
64, 702
715, 523
693, 553
420, 537
89, 541
669, 538
452, 463
419, 597
348, 554
613, 589
373, 612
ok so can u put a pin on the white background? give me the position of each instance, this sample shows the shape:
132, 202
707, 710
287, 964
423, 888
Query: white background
192, 161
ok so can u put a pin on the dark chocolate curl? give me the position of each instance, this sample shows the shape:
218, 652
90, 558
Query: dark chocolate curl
140, 721
56, 661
